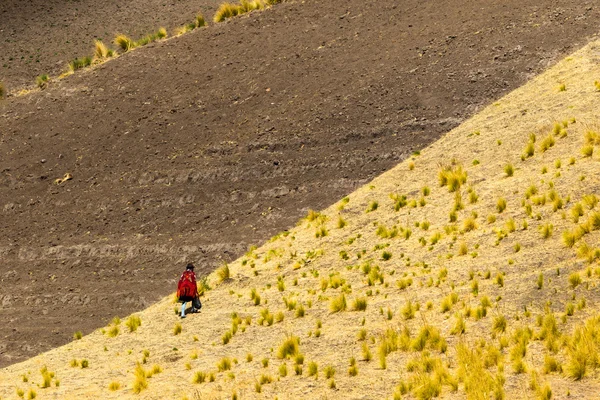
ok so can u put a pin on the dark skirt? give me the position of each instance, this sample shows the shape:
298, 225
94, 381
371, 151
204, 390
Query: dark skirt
195, 301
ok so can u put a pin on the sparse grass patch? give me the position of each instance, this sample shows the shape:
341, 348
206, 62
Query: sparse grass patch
283, 370
321, 232
124, 42
469, 224
373, 205
463, 249
265, 379
46, 377
266, 318
529, 150
199, 377
289, 348
353, 369
583, 349
547, 143
362, 334
473, 197
101, 51
540, 281
227, 337
140, 382
452, 176
501, 205
203, 286
359, 304
574, 279
315, 216
570, 309
230, 10
551, 364
587, 150
177, 329
153, 37
569, 238
42, 81
546, 230
226, 11
479, 382
459, 326
200, 22
409, 309
80, 63
223, 273
224, 364
313, 369
475, 287
338, 304
448, 302
133, 323
499, 324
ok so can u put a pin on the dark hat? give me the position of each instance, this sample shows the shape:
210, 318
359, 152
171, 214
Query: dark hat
190, 266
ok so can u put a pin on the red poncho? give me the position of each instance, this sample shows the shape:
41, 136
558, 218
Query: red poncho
186, 288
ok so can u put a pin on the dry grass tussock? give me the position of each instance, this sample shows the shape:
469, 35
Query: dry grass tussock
229, 10
101, 51
199, 22
483, 285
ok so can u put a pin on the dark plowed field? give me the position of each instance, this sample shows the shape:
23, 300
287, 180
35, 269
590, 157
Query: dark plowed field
41, 36
195, 148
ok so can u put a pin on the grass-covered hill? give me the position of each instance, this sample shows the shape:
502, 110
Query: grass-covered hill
193, 147
468, 271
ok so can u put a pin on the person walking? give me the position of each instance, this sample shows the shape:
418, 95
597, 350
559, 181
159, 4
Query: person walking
187, 290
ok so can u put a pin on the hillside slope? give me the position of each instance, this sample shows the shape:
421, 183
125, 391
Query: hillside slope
42, 36
195, 148
473, 285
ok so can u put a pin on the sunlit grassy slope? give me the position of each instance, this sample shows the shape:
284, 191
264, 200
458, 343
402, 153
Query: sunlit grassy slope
485, 287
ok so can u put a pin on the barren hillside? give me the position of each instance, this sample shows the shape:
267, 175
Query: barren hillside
42, 36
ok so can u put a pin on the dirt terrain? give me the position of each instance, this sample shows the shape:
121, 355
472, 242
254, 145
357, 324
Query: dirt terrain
42, 36
197, 147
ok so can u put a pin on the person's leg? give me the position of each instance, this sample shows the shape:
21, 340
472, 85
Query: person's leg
183, 310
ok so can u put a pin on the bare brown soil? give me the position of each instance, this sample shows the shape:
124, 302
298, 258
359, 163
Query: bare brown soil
194, 148
41, 36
